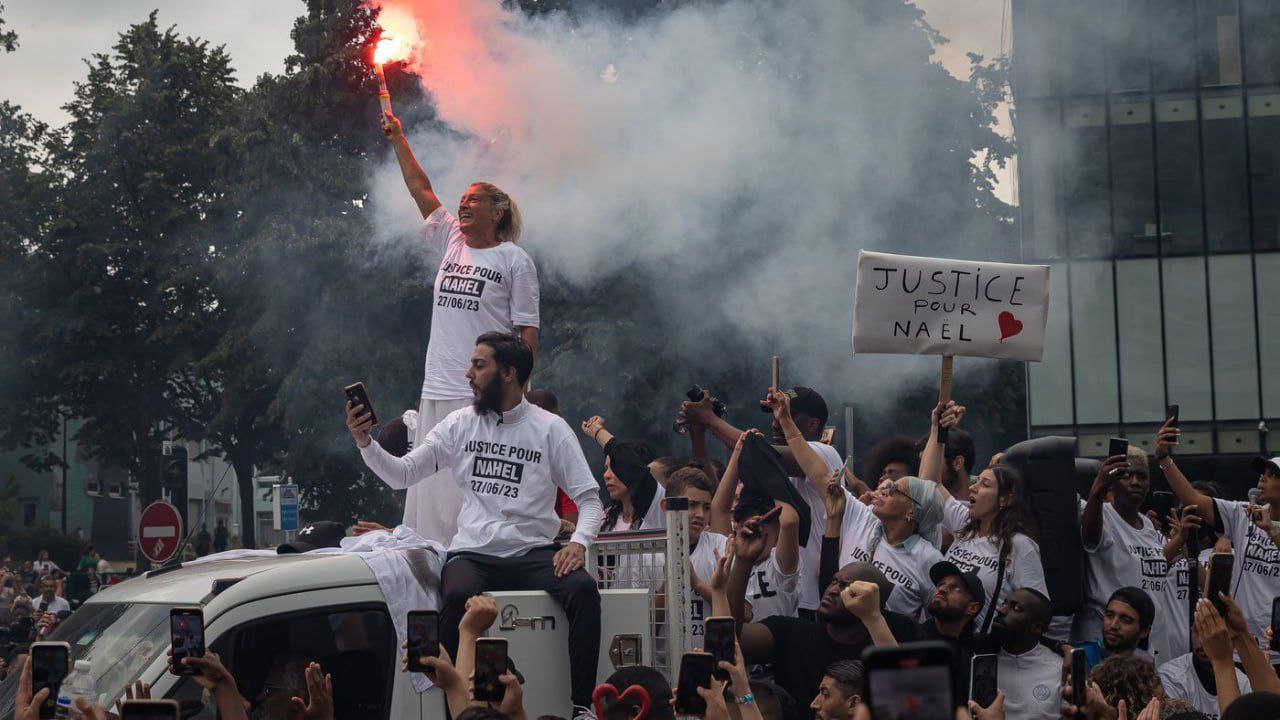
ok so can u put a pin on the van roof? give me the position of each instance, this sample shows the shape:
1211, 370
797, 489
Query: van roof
192, 583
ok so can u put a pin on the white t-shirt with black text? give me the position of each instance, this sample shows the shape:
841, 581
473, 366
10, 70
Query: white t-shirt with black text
1126, 556
1256, 580
477, 290
906, 565
508, 466
1178, 676
772, 592
703, 559
982, 555
811, 554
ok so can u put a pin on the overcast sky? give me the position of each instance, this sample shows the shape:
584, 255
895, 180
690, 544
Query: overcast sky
55, 36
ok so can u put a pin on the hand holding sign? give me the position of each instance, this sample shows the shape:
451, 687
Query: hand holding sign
936, 306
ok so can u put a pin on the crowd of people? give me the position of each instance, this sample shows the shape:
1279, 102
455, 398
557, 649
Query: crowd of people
816, 564
35, 595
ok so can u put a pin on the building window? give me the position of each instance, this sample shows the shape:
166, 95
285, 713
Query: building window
92, 486
1093, 332
1178, 159
1235, 362
1262, 41
1133, 194
1268, 269
28, 513
1141, 366
1173, 33
1264, 164
1218, 28
1050, 379
1226, 209
1186, 325
115, 489
1088, 207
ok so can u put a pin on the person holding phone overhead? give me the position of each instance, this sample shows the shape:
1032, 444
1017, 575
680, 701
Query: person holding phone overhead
1251, 529
507, 457
485, 283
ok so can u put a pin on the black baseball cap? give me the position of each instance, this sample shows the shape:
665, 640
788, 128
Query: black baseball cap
322, 534
806, 400
972, 583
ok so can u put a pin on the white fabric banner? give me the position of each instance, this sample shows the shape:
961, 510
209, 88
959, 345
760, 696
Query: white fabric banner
934, 306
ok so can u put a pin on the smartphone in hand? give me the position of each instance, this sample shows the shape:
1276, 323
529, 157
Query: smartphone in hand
1220, 566
357, 396
491, 663
186, 636
424, 638
1171, 413
50, 665
911, 680
984, 679
150, 710
718, 641
695, 672
1162, 501
1079, 680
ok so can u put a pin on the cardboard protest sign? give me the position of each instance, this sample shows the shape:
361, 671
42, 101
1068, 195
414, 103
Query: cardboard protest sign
935, 306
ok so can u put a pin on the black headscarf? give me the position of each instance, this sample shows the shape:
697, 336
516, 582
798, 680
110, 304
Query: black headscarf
629, 460
761, 473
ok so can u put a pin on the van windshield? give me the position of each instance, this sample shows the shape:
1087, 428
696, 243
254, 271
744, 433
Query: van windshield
120, 639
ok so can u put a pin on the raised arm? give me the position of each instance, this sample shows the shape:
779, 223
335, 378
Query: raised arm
726, 489
1166, 440
788, 550
1091, 518
728, 598
397, 472
934, 459
702, 413
1255, 661
813, 466
593, 428
415, 178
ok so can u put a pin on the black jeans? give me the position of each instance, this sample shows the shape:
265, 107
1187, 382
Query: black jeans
467, 574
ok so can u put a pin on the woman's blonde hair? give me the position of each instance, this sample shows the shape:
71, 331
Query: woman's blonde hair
510, 225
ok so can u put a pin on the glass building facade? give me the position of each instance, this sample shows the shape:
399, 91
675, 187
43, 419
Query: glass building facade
1149, 179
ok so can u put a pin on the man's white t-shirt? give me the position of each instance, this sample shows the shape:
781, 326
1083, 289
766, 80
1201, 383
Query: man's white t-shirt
772, 592
1178, 676
476, 291
1032, 683
906, 565
57, 604
982, 555
811, 553
1256, 581
1126, 556
508, 466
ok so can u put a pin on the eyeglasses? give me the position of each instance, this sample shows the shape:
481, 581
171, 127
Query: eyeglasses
891, 488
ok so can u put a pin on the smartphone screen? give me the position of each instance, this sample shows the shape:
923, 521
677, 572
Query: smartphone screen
983, 679
1079, 679
1118, 446
695, 672
186, 634
357, 396
1171, 413
424, 638
491, 663
1275, 625
718, 642
912, 680
50, 664
1220, 566
149, 710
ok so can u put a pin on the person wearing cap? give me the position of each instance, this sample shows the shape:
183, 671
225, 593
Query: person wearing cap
1253, 530
1123, 547
893, 533
809, 415
1126, 626
322, 534
507, 458
955, 602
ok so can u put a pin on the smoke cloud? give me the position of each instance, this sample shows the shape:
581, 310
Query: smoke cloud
735, 156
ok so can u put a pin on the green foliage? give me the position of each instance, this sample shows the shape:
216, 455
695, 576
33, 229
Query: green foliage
8, 38
27, 543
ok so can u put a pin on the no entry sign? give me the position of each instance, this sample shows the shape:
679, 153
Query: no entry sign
159, 531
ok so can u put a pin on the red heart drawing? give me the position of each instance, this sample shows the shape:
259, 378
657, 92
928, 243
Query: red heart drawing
1009, 325
634, 693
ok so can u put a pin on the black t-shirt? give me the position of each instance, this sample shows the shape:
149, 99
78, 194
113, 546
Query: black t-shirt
964, 648
802, 650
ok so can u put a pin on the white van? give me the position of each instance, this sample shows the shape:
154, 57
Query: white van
261, 614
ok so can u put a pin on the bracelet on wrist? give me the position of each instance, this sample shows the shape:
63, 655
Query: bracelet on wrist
595, 436
746, 699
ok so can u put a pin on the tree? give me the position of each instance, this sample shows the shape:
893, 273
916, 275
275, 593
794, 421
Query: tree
8, 38
123, 301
